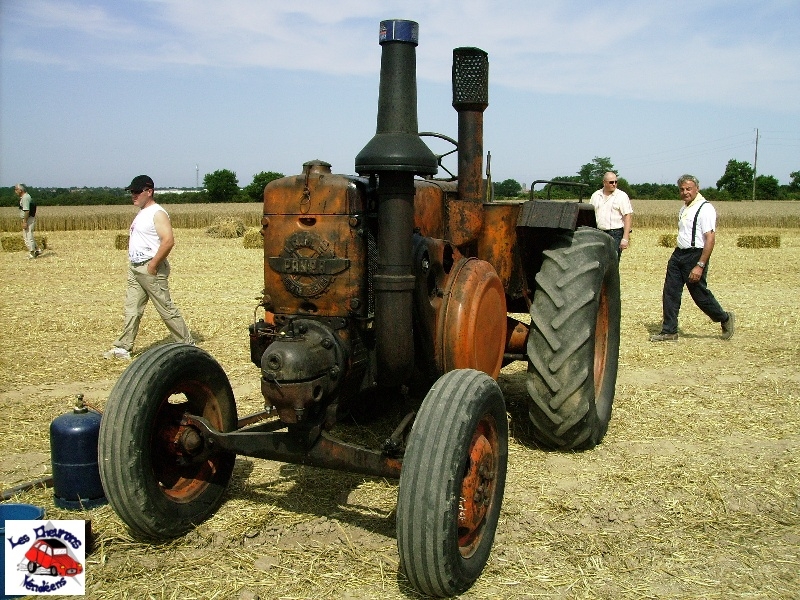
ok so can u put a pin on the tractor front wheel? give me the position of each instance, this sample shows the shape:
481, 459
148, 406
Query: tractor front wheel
573, 346
156, 473
452, 482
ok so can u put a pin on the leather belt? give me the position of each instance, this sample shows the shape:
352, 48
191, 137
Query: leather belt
139, 264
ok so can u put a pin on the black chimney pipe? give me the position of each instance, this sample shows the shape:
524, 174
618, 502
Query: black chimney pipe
395, 154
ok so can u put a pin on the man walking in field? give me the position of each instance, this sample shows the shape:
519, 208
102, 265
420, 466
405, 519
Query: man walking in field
688, 264
27, 210
151, 240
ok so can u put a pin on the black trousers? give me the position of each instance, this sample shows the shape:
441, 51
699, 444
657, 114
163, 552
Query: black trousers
679, 267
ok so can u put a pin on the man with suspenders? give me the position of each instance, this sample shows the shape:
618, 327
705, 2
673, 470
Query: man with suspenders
688, 264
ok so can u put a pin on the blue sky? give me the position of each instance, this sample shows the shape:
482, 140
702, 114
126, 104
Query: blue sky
93, 93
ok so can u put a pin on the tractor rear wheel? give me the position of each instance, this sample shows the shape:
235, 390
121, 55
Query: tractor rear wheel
452, 482
573, 346
155, 472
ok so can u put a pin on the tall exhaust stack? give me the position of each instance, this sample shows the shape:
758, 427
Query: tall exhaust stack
395, 154
470, 99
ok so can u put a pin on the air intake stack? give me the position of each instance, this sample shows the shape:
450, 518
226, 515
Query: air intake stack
395, 155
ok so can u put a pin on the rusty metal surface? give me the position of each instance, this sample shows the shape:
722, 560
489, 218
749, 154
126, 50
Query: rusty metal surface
601, 340
429, 209
314, 248
323, 451
465, 221
497, 243
516, 336
471, 325
478, 485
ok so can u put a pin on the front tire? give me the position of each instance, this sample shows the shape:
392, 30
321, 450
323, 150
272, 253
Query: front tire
573, 346
156, 487
452, 482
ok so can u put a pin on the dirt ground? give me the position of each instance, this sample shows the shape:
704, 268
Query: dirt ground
694, 492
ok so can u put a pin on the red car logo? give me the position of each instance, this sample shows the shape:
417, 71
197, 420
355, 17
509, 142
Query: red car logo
52, 555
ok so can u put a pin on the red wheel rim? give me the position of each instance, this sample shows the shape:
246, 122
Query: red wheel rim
477, 486
180, 478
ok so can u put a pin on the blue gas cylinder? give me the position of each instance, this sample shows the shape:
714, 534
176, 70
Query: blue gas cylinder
73, 455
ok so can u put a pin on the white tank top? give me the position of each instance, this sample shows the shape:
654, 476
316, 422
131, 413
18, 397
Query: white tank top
144, 242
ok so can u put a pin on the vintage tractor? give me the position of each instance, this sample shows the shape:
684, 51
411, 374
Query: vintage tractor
379, 282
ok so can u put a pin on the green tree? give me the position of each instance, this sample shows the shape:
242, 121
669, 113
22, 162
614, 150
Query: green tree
255, 190
592, 173
794, 185
510, 188
737, 179
767, 187
222, 185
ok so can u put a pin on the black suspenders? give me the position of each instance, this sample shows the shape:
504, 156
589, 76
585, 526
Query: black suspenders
694, 225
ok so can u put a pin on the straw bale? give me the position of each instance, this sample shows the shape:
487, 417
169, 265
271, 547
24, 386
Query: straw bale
253, 238
226, 227
668, 240
759, 241
15, 243
121, 241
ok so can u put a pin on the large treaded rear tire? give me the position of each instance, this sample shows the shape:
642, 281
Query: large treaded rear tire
452, 482
573, 346
146, 477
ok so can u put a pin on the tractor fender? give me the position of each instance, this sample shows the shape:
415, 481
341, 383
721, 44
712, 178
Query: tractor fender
550, 214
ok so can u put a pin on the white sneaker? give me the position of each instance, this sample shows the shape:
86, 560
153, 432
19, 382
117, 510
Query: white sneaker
116, 352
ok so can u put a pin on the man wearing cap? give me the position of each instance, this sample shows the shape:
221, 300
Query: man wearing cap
151, 240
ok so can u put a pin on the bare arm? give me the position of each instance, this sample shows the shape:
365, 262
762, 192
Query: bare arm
627, 223
166, 238
709, 239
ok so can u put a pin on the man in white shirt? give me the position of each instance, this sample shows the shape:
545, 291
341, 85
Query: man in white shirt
613, 212
688, 264
151, 240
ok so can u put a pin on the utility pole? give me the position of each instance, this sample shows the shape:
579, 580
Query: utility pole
197, 177
755, 167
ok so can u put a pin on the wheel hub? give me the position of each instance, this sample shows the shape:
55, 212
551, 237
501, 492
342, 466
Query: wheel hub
476, 492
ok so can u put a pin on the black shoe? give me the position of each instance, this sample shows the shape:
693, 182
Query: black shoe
729, 326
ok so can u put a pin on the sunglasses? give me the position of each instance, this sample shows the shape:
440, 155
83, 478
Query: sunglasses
612, 182
136, 192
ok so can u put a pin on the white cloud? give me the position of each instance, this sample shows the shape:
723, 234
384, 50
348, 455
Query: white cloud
696, 51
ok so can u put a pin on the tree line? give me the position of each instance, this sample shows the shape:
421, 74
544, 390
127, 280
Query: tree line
737, 183
219, 186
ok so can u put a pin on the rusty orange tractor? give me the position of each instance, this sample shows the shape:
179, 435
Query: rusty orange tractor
374, 282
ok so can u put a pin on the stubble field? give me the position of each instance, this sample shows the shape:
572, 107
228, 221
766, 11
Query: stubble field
694, 492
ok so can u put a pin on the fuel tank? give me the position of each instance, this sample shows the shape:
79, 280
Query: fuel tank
315, 244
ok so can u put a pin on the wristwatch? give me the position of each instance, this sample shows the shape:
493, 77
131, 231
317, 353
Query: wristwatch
701, 264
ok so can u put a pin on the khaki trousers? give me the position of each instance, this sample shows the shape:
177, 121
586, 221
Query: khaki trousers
143, 287
27, 235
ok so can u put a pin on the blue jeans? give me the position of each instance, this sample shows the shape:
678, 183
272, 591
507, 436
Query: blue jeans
617, 235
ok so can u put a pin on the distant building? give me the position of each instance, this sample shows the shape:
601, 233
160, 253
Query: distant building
177, 191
